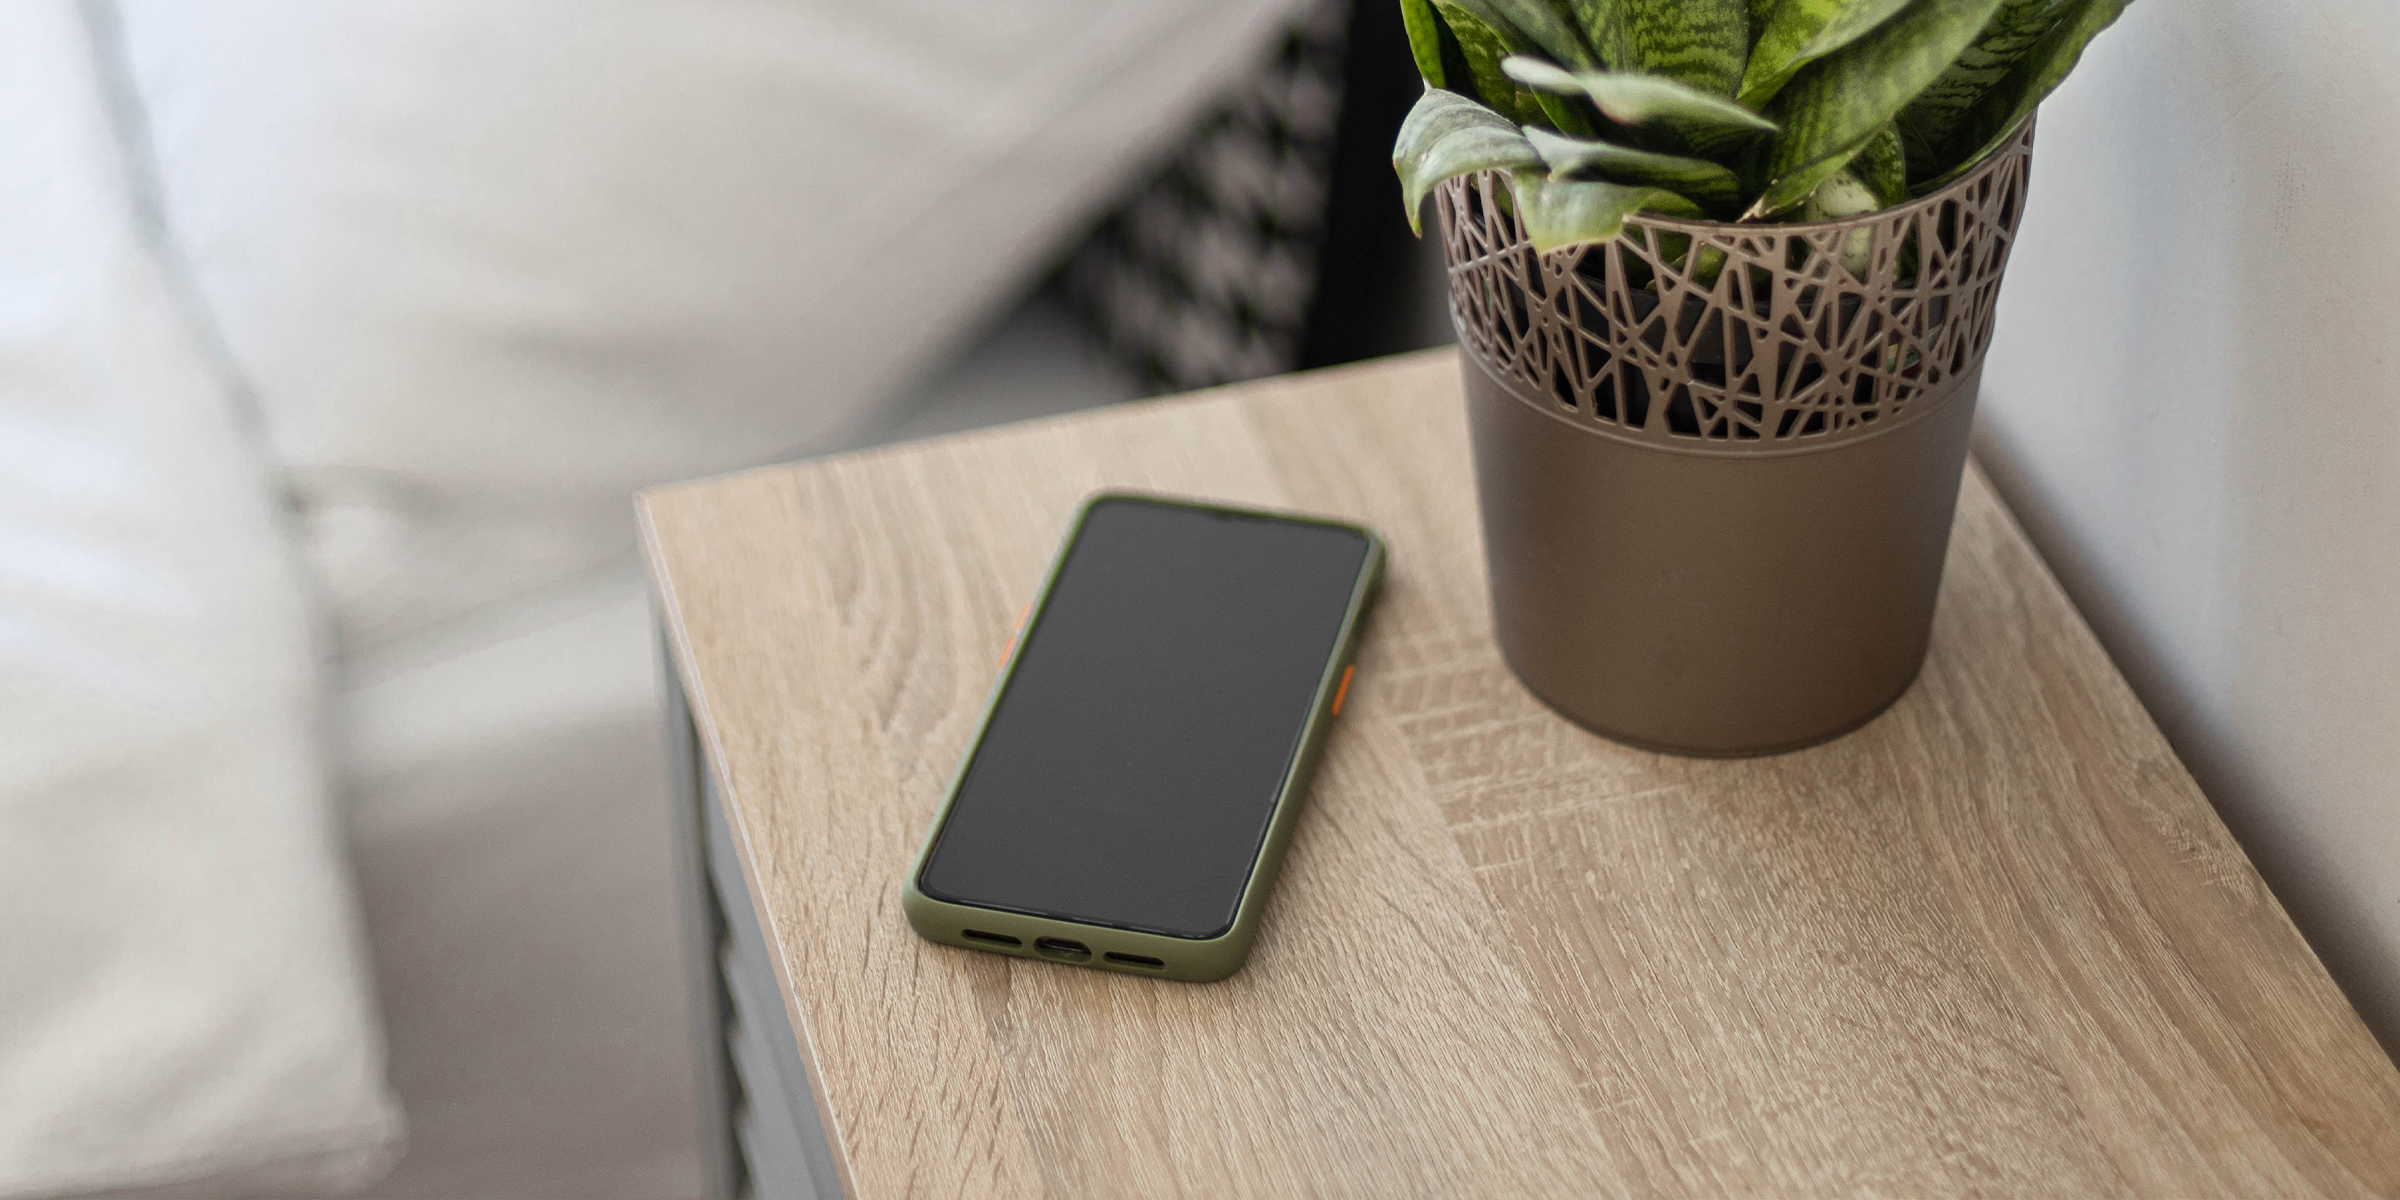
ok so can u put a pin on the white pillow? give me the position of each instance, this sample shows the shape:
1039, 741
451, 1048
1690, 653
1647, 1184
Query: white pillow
182, 992
492, 267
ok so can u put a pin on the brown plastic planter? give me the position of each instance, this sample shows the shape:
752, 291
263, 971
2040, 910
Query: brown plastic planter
1717, 484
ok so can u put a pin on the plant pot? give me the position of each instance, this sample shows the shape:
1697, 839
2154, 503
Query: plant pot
1718, 463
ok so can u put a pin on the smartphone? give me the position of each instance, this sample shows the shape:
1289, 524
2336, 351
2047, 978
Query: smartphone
1127, 800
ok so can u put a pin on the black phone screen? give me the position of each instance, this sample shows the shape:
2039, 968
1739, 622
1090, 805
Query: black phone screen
1130, 768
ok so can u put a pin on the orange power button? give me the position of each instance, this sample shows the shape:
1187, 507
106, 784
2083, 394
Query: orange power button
1342, 690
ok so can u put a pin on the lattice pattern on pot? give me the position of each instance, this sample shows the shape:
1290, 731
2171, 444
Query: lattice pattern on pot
1737, 338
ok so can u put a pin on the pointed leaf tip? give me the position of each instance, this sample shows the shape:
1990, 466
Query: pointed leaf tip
1447, 135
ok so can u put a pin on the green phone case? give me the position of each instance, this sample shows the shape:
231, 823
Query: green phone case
1111, 949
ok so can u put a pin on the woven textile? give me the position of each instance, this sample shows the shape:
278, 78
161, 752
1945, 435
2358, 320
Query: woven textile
1206, 275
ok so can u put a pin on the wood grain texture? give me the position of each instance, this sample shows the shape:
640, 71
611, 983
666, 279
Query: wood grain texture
1996, 942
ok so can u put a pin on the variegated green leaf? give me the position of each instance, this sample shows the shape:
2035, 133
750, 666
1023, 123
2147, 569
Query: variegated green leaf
1631, 99
1835, 104
1529, 25
1569, 212
1522, 26
1844, 194
1700, 43
1603, 28
1848, 23
1425, 40
1565, 113
1483, 48
1447, 135
1801, 32
2004, 107
1711, 186
1883, 166
2013, 30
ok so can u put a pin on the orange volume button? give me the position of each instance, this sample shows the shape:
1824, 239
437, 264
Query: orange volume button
1342, 691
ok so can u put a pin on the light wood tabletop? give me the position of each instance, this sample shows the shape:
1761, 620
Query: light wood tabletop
1995, 942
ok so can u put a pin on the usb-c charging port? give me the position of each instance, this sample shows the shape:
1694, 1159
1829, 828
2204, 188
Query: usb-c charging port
997, 939
1063, 948
1137, 960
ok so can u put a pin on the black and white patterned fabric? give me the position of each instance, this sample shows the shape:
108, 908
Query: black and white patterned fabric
1206, 276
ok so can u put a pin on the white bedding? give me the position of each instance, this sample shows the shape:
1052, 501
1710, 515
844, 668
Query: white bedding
459, 278
491, 268
182, 992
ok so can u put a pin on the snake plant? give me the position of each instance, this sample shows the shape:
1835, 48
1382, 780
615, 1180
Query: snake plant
1731, 110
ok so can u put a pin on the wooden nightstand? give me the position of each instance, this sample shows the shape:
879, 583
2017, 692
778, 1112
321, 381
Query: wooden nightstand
1994, 942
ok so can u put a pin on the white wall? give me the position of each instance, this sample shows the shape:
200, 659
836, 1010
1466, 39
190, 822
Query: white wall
2193, 400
